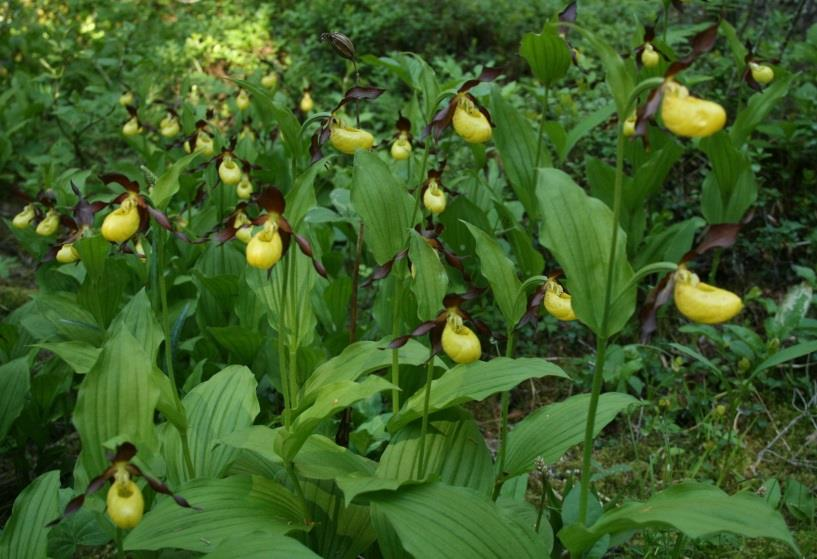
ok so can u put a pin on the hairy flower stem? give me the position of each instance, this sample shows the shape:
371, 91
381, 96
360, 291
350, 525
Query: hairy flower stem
294, 315
282, 361
424, 428
601, 336
503, 429
293, 477
542, 122
395, 331
161, 265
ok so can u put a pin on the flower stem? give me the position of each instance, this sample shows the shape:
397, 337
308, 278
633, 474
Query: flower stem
395, 330
542, 121
160, 268
298, 490
503, 429
601, 335
293, 332
282, 362
424, 428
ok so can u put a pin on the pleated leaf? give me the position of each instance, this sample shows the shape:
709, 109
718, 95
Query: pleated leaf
260, 545
442, 521
25, 535
696, 509
117, 398
15, 386
551, 430
233, 507
359, 359
474, 382
222, 405
383, 204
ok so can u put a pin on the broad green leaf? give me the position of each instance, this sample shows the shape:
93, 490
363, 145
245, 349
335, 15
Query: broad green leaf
668, 245
430, 283
329, 400
80, 356
25, 534
730, 189
224, 508
223, 404
301, 197
552, 429
735, 45
500, 272
383, 205
58, 316
455, 449
525, 514
117, 398
798, 500
474, 382
15, 386
759, 105
790, 353
339, 531
358, 359
261, 545
547, 55
516, 142
242, 344
792, 310
138, 317
577, 229
695, 509
168, 184
442, 521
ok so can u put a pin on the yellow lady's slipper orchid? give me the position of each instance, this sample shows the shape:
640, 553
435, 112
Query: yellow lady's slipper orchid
761, 73
126, 99
270, 80
459, 341
132, 127
629, 126
122, 223
689, 116
125, 503
229, 172
401, 148
557, 302
265, 248
347, 139
48, 226
307, 104
649, 58
434, 198
244, 189
704, 303
204, 144
67, 254
242, 101
23, 219
169, 126
470, 123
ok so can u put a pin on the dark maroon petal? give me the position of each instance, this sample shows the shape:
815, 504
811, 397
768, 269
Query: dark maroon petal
124, 452
424, 328
657, 298
122, 180
160, 218
398, 342
272, 200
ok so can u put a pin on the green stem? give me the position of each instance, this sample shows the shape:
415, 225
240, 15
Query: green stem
542, 121
293, 333
503, 429
716, 261
282, 362
120, 551
601, 336
424, 428
161, 267
299, 491
422, 172
395, 330
542, 497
